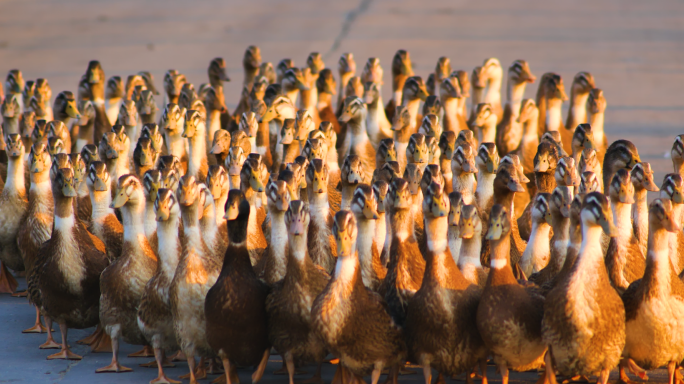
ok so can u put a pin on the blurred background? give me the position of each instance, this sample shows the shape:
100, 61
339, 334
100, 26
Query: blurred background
634, 49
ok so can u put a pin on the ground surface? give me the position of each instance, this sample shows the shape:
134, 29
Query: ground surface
634, 49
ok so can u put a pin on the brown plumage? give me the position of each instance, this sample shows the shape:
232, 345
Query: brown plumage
364, 205
546, 161
289, 303
321, 241
353, 321
103, 222
584, 318
235, 306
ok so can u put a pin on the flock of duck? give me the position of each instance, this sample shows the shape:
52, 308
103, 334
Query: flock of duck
420, 231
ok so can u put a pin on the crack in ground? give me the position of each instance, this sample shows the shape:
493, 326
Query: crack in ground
346, 25
63, 373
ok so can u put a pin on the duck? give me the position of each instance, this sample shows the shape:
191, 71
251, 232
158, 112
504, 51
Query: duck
468, 230
147, 108
114, 94
220, 146
507, 183
402, 69
545, 164
114, 153
195, 131
59, 130
406, 264
592, 343
293, 83
11, 114
463, 168
445, 306
352, 320
152, 180
412, 94
530, 140
538, 250
72, 262
214, 234
39, 101
346, 68
596, 108
558, 216
327, 85
566, 173
215, 105
319, 237
401, 125
310, 73
454, 232
656, 290
238, 323
103, 221
589, 163
554, 95
280, 109
274, 260
37, 226
84, 208
672, 189
377, 124
431, 125
289, 302
172, 123
509, 315
14, 204
417, 151
487, 162
447, 143
173, 83
352, 174
365, 208
86, 124
441, 72
589, 182
485, 121
509, 131
123, 282
677, 154
196, 274
144, 157
154, 315
582, 84
357, 141
14, 82
252, 185
620, 154
28, 121
642, 180
582, 139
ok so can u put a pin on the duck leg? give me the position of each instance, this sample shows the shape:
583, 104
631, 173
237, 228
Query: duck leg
65, 353
548, 368
230, 376
50, 343
192, 367
147, 351
160, 359
23, 293
377, 370
179, 356
289, 363
427, 373
316, 379
503, 368
198, 372
38, 327
603, 377
635, 369
8, 284
99, 341
671, 368
165, 362
483, 368
114, 366
259, 372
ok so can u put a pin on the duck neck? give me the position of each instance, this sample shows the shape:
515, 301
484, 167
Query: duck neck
538, 248
596, 121
364, 246
10, 124
640, 215
377, 118
292, 94
622, 217
677, 210
100, 200
214, 124
501, 272
485, 187
578, 109
451, 111
208, 224
553, 114
401, 221
380, 231
344, 79
319, 207
347, 195
298, 250
492, 91
168, 247
85, 134
470, 251
278, 235
658, 266
545, 181
310, 97
477, 98
488, 130
515, 91
132, 214
398, 82
465, 184
324, 101
359, 135
590, 257
198, 150
221, 202
15, 183
436, 234
412, 106
560, 240
530, 131
113, 107
250, 75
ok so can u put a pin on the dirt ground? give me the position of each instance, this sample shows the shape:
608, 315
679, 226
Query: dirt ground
634, 49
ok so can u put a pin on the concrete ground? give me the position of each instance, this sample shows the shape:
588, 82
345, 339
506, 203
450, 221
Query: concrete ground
634, 49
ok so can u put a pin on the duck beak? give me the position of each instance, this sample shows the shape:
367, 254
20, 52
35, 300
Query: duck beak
119, 200
588, 144
491, 166
381, 207
344, 247
651, 186
354, 178
401, 203
368, 98
69, 191
162, 214
317, 186
565, 211
72, 110
223, 76
370, 213
515, 186
541, 167
297, 227
671, 225
232, 212
466, 231
625, 197
345, 117
111, 153
302, 86
494, 232
99, 185
608, 227
256, 183
216, 149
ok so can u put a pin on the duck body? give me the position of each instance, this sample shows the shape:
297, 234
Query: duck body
14, 206
584, 318
235, 306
